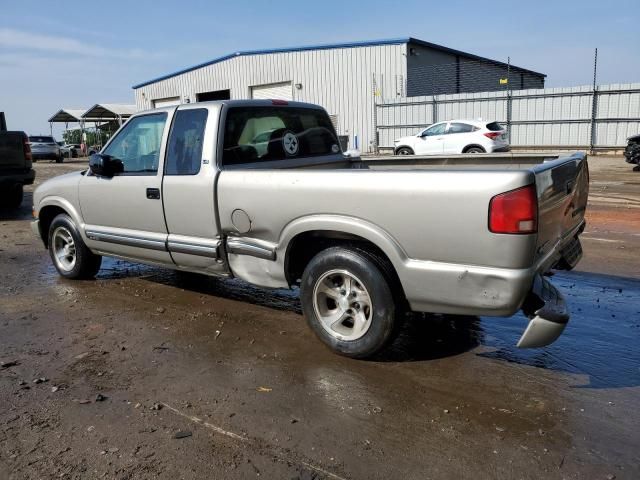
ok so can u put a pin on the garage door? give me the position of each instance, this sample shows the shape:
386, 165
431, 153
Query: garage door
166, 102
280, 91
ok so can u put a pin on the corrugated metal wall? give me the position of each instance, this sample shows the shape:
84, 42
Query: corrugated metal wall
341, 80
539, 118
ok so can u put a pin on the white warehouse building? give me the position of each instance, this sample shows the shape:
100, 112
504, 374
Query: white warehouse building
344, 78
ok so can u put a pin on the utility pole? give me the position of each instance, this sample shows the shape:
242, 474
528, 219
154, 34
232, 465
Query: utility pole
594, 104
509, 98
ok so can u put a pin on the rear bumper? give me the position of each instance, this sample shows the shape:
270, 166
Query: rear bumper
548, 315
506, 148
44, 155
18, 178
474, 290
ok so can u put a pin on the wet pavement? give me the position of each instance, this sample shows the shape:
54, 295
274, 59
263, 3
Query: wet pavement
235, 369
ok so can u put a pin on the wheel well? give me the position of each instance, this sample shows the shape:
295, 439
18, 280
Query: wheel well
304, 246
402, 146
466, 149
46, 216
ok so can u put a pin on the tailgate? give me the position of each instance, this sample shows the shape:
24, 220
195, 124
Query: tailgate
563, 187
12, 151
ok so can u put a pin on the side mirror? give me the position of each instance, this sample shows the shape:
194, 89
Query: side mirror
105, 165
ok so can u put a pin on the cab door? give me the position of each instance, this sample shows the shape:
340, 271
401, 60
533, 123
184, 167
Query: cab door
431, 141
123, 214
188, 190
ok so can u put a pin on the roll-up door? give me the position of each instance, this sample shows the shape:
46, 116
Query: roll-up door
166, 102
279, 91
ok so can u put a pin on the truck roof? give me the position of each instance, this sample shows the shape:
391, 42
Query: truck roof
241, 103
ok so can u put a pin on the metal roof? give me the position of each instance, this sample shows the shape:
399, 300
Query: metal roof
66, 115
327, 46
105, 111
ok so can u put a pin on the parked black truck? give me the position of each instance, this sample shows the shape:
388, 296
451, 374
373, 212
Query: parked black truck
15, 165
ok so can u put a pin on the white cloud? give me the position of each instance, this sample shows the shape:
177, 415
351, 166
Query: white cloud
17, 39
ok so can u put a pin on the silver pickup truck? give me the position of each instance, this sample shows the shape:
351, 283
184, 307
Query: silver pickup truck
260, 190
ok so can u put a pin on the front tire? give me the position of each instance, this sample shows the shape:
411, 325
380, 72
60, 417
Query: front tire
60, 158
404, 151
348, 302
69, 254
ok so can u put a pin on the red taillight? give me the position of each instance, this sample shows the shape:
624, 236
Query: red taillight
515, 211
27, 148
492, 135
279, 102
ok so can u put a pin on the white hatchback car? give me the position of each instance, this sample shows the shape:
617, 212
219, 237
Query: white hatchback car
455, 136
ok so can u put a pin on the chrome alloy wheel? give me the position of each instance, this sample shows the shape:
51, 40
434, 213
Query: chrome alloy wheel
343, 305
64, 249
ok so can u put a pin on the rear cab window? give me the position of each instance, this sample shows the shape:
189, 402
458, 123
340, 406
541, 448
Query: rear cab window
259, 134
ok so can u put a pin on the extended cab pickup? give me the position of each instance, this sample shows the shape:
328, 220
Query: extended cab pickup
260, 190
15, 167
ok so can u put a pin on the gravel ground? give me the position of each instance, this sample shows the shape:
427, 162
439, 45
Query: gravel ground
146, 374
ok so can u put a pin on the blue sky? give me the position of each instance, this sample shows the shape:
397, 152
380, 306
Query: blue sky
77, 53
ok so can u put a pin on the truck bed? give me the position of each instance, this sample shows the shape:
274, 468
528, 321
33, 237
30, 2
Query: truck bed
432, 210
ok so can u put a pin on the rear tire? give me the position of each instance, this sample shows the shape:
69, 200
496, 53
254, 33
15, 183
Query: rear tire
404, 151
348, 302
475, 150
68, 252
12, 198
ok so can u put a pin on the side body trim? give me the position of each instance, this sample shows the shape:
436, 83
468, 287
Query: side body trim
191, 248
252, 247
132, 241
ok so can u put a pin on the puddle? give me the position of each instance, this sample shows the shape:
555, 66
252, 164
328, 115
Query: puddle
600, 342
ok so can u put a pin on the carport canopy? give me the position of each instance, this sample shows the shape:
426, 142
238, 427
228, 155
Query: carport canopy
67, 115
109, 111
70, 115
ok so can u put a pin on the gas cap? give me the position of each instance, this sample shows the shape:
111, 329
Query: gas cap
241, 220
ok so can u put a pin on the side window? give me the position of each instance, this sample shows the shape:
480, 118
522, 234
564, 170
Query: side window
271, 133
137, 145
184, 150
460, 128
437, 129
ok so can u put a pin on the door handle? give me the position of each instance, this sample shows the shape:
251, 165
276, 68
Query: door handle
153, 193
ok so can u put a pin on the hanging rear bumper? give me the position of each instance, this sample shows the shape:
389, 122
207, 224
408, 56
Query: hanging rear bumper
548, 313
